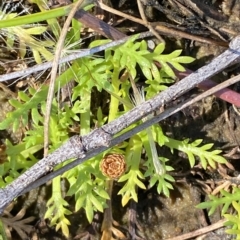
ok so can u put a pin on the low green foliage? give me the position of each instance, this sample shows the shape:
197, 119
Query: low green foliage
87, 183
110, 73
225, 201
234, 221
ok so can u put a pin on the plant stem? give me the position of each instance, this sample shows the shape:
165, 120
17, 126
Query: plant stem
3, 234
114, 102
85, 116
139, 98
107, 219
113, 109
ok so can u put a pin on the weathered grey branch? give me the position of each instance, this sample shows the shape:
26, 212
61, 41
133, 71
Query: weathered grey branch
78, 147
68, 58
167, 113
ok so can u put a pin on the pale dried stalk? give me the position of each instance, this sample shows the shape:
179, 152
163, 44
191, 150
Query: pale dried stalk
59, 47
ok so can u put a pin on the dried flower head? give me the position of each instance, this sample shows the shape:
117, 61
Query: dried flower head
113, 165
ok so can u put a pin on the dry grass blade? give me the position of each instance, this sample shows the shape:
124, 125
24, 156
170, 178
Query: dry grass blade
80, 3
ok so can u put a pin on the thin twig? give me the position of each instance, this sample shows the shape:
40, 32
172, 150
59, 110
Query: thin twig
146, 23
96, 24
8, 91
69, 58
200, 231
163, 29
225, 94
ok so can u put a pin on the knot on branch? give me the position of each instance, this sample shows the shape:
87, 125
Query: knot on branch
96, 139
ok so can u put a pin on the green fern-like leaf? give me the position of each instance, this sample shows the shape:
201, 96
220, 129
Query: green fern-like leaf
225, 201
21, 113
234, 221
57, 210
129, 189
133, 176
163, 182
89, 194
192, 149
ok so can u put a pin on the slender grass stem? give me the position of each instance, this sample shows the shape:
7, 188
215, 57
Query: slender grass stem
36, 17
